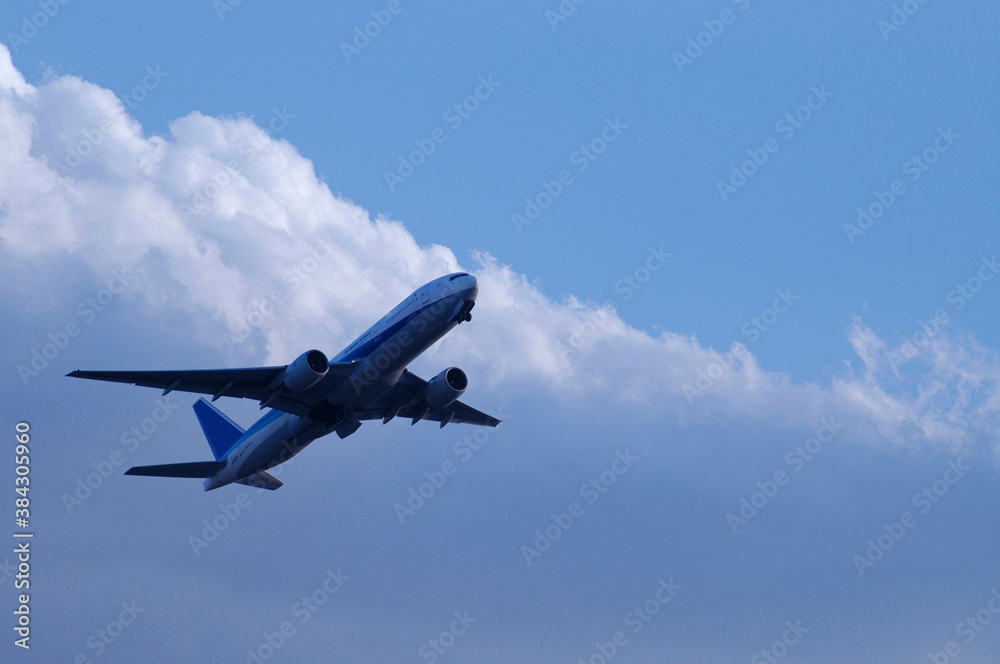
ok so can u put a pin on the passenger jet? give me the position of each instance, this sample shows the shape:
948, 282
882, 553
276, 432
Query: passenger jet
314, 396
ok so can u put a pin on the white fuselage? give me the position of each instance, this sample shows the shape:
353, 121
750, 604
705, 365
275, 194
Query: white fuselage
380, 355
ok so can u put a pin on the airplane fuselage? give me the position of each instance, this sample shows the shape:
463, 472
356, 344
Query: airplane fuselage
379, 357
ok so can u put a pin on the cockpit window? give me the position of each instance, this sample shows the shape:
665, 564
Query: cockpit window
456, 276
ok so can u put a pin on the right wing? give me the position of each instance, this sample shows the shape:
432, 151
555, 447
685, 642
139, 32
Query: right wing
406, 399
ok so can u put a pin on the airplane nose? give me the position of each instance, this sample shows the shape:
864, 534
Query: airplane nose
463, 285
472, 286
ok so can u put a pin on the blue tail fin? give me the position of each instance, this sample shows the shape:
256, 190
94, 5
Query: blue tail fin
222, 432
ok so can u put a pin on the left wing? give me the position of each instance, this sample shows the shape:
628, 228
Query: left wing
406, 399
262, 384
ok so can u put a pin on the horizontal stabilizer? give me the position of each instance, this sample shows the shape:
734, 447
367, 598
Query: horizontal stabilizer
194, 469
262, 480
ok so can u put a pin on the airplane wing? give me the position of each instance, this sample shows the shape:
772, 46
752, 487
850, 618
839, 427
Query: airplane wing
406, 400
262, 384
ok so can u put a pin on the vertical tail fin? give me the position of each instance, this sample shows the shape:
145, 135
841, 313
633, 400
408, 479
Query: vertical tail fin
222, 432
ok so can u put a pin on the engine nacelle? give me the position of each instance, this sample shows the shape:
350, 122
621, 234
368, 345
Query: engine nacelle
307, 370
445, 387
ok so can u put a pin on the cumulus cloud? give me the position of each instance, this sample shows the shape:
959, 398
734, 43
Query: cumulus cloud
229, 227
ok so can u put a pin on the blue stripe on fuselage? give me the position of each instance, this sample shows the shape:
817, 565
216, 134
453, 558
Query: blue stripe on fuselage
268, 418
358, 353
366, 348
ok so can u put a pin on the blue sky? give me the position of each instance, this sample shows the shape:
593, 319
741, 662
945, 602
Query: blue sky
310, 135
685, 131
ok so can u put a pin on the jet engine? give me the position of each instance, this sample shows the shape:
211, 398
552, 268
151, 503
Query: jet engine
307, 370
445, 387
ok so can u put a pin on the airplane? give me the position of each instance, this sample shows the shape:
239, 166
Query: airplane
314, 396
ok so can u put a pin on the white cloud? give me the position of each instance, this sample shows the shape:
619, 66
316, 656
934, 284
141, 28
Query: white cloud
220, 219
